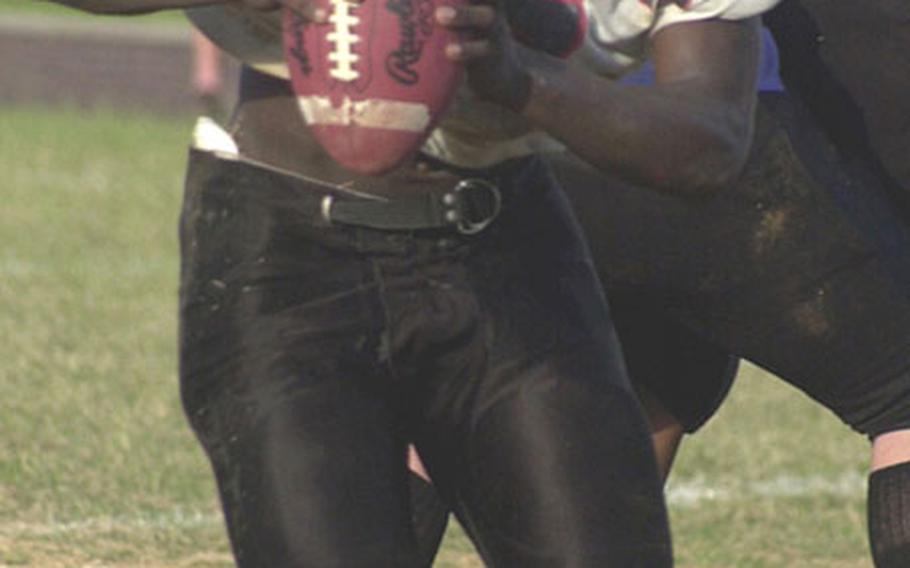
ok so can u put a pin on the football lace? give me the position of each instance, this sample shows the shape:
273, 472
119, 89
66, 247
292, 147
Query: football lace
343, 39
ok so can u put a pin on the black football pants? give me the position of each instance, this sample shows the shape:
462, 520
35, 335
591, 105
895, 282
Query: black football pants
312, 354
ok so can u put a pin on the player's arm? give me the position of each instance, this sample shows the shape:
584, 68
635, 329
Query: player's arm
688, 134
130, 6
125, 7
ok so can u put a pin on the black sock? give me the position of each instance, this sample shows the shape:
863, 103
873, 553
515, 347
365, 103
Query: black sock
430, 516
889, 516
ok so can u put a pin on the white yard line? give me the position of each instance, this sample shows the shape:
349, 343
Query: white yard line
693, 493
685, 494
178, 518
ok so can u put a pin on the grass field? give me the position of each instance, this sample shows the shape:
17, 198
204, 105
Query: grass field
97, 467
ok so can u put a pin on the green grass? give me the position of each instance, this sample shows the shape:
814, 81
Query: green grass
794, 478
97, 465
91, 426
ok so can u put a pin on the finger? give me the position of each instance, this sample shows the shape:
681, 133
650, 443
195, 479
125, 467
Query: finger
466, 17
469, 50
308, 9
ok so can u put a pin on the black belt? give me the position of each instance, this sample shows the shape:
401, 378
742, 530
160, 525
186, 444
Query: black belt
469, 207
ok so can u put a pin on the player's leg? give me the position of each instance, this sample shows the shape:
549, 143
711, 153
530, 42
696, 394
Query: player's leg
429, 513
666, 430
280, 380
882, 221
827, 307
711, 373
544, 471
889, 499
834, 79
690, 374
534, 434
802, 267
890, 449
680, 377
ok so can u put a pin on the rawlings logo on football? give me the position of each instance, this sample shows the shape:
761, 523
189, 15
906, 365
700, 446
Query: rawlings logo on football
415, 23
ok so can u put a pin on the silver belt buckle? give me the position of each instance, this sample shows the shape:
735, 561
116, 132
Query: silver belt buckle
455, 200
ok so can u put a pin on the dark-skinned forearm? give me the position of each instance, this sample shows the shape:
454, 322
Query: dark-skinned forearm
125, 7
669, 137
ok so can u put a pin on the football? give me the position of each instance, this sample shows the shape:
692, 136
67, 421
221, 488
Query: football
373, 81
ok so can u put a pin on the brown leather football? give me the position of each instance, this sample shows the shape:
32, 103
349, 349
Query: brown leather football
373, 81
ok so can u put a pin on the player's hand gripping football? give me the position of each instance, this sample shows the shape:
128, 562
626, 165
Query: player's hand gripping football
495, 62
